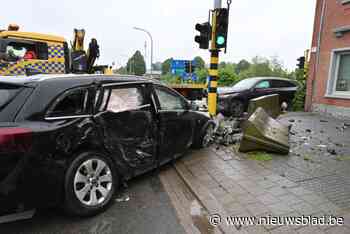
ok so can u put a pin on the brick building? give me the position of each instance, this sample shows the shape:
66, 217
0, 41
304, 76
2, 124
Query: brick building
328, 86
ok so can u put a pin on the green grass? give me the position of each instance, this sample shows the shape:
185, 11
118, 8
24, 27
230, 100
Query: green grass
260, 156
343, 158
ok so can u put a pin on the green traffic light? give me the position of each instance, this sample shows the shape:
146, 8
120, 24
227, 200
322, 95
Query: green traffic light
220, 40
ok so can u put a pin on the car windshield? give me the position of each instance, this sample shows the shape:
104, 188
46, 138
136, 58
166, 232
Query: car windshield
244, 84
7, 93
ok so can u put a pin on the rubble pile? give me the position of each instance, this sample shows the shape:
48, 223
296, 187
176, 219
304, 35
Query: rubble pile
228, 130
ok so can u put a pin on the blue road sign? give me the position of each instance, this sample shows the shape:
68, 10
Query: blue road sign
178, 68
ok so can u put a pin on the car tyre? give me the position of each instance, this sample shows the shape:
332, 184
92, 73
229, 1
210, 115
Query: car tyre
206, 137
236, 108
90, 184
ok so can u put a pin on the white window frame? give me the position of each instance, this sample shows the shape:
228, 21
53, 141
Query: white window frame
334, 74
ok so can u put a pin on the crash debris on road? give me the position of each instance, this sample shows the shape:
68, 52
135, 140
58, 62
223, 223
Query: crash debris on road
257, 129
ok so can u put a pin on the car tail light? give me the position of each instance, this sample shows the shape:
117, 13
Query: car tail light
15, 140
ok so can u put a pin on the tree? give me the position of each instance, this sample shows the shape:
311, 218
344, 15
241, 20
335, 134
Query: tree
157, 66
202, 75
200, 64
122, 71
166, 66
227, 75
262, 66
243, 65
222, 65
299, 98
136, 64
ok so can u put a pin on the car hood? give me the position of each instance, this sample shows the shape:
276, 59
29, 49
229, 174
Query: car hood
229, 90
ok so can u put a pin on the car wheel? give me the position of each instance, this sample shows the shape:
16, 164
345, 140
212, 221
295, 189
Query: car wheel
206, 137
236, 108
90, 184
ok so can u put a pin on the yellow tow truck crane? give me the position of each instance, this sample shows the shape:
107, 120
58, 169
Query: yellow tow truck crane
28, 53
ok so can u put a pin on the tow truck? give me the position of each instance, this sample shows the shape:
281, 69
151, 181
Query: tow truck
29, 53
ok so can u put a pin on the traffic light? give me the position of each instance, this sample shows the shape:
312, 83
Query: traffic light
205, 35
301, 64
222, 18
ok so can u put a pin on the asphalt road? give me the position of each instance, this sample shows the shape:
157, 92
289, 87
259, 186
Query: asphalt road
149, 210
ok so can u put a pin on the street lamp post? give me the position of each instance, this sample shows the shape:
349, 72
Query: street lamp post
149, 34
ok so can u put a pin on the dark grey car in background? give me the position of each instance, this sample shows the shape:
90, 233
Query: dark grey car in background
234, 101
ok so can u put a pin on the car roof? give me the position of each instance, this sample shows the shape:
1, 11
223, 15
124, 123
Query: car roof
78, 79
271, 78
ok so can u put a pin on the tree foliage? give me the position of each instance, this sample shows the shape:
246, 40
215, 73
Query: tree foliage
166, 66
200, 63
231, 73
122, 71
299, 99
136, 64
243, 65
157, 66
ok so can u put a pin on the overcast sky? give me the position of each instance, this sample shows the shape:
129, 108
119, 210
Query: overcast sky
266, 28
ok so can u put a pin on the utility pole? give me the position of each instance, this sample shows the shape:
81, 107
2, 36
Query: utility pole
146, 50
214, 65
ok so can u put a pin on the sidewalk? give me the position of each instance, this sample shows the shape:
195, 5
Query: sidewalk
229, 184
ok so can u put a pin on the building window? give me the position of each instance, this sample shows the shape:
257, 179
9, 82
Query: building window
343, 74
339, 80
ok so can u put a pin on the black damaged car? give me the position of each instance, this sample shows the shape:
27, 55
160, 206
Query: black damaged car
234, 101
70, 141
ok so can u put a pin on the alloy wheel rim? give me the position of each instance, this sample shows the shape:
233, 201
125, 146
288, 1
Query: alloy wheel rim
93, 182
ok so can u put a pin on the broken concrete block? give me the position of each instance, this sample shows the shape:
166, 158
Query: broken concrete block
261, 132
270, 103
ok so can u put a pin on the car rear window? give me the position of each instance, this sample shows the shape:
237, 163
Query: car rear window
8, 93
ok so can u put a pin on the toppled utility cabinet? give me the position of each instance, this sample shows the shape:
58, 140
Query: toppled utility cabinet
261, 132
270, 103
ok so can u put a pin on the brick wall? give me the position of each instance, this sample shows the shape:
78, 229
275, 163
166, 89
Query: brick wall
336, 14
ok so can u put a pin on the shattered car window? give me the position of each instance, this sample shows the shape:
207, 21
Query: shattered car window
125, 99
169, 101
72, 104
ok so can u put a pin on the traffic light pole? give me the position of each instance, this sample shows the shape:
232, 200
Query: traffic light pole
213, 70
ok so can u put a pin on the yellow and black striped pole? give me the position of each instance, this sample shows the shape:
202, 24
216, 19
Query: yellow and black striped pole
213, 70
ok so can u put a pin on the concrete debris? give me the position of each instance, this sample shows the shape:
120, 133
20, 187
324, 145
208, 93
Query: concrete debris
228, 130
123, 198
261, 132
